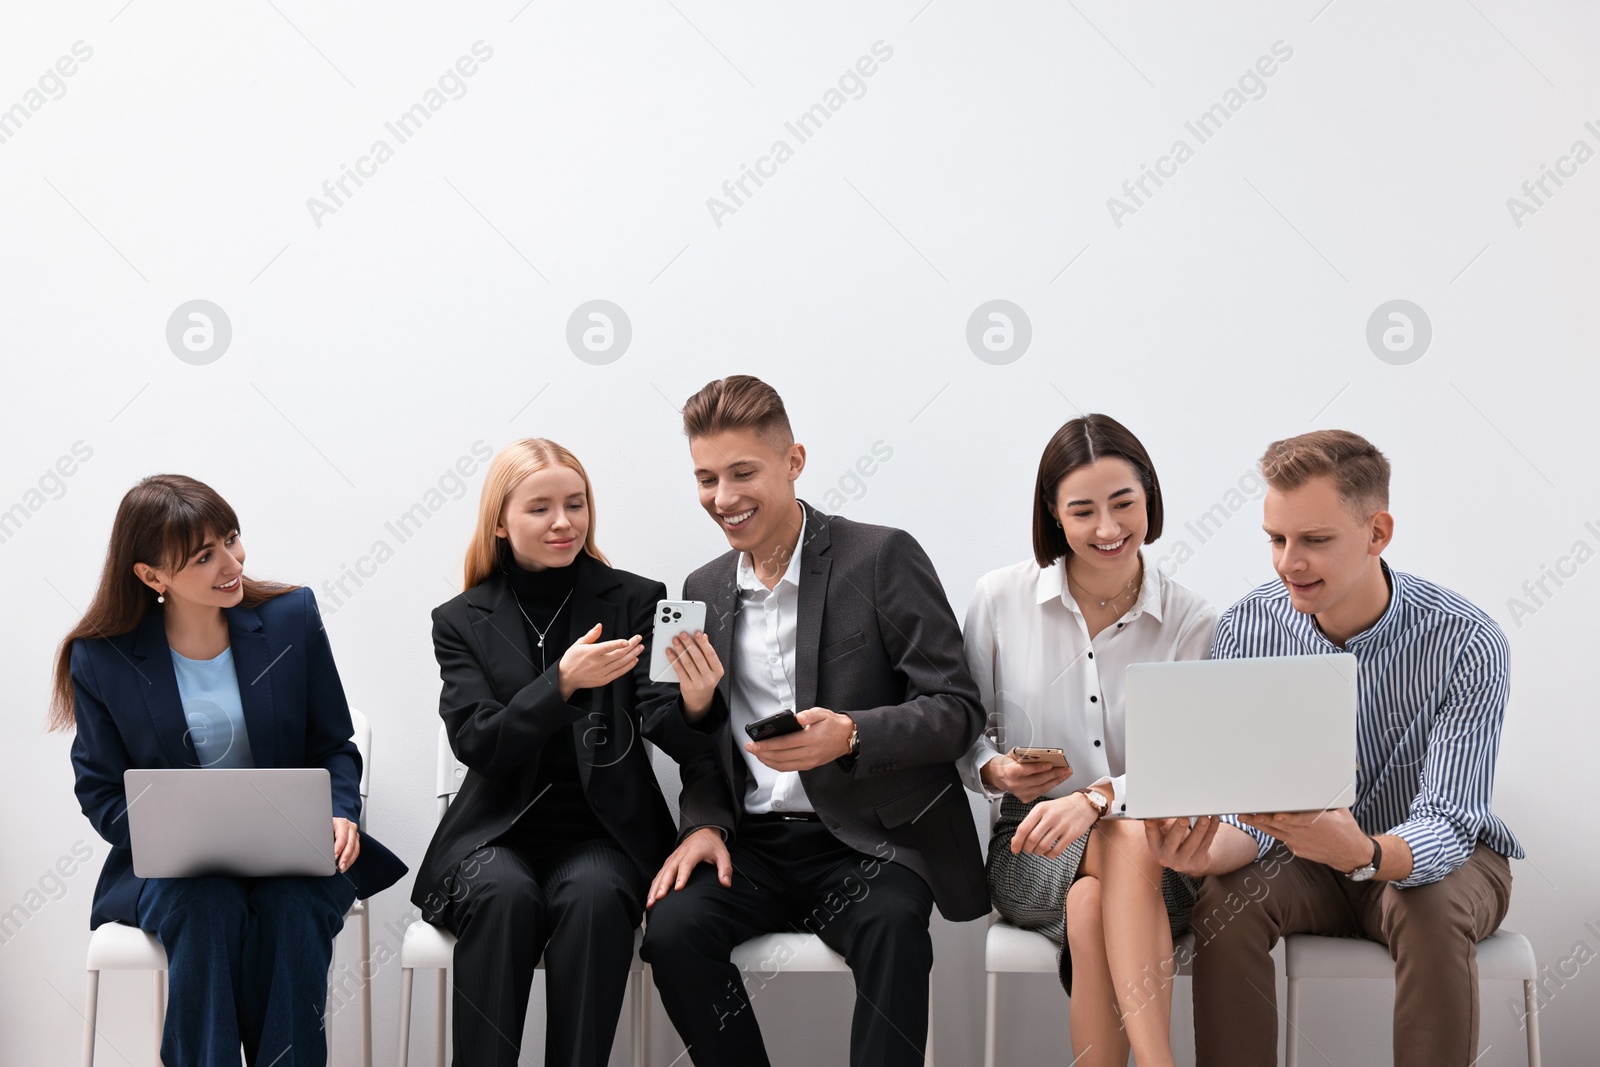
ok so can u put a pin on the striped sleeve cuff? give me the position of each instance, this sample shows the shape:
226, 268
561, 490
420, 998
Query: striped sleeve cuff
1437, 848
1264, 841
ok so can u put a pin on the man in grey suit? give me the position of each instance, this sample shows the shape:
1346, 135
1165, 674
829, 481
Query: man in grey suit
852, 826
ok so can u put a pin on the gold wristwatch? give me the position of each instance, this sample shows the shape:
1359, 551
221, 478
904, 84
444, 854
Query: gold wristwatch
1099, 800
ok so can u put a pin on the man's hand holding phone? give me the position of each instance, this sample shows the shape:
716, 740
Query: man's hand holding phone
699, 670
823, 735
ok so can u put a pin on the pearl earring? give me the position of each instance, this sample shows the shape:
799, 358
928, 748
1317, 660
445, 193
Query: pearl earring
161, 598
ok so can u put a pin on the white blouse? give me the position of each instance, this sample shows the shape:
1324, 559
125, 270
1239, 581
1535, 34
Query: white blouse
1045, 683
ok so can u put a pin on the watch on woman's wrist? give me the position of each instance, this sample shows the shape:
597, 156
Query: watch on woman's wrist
1097, 800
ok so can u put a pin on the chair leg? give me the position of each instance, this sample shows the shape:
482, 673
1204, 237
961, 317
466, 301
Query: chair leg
647, 988
327, 1015
1530, 997
988, 1019
91, 1008
636, 994
927, 1048
438, 1039
406, 976
1293, 1055
161, 1012
366, 984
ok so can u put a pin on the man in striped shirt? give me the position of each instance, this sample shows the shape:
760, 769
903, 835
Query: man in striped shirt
1419, 863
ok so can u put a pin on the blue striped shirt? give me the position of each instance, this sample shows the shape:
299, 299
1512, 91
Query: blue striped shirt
1433, 682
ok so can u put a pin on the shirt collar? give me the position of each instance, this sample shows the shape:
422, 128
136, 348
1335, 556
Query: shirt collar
1052, 585
1375, 632
746, 580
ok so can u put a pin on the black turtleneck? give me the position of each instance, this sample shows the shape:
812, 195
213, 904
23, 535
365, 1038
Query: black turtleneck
562, 814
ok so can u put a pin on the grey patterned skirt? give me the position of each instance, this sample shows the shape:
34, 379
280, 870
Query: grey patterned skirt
1030, 892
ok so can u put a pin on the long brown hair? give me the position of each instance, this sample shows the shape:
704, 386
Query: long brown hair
1077, 444
510, 465
161, 522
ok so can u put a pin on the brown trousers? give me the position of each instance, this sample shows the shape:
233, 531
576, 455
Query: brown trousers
1431, 932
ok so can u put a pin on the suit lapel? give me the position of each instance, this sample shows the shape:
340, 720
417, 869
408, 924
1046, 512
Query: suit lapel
159, 684
722, 613
502, 634
815, 563
512, 657
252, 664
591, 735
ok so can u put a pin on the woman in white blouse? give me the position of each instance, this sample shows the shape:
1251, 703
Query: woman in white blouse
1048, 641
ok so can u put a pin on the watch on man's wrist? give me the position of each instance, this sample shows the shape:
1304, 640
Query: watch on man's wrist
1365, 874
855, 739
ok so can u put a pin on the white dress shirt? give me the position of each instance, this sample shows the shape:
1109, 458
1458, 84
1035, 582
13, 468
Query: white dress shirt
764, 635
1044, 683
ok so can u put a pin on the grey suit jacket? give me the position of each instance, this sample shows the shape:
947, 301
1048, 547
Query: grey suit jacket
876, 639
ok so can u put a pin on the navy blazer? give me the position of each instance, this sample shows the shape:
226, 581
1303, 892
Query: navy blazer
129, 714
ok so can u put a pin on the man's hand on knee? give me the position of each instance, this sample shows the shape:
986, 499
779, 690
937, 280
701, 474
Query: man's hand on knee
703, 846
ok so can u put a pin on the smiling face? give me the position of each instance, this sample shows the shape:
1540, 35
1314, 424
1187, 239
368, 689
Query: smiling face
546, 518
212, 576
1103, 512
746, 484
1325, 554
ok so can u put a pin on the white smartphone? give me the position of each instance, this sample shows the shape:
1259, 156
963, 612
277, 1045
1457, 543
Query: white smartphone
673, 617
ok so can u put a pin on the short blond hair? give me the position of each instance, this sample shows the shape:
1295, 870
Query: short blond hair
1359, 471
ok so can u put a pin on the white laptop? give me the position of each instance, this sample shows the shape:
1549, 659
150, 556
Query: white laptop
244, 822
1225, 736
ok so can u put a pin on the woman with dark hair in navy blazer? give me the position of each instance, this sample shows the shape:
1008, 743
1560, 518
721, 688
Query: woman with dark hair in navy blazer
182, 661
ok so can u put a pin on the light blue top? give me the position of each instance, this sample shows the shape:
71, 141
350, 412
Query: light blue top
209, 689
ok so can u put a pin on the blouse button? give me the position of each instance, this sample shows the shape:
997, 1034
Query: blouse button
1091, 655
1097, 744
1094, 700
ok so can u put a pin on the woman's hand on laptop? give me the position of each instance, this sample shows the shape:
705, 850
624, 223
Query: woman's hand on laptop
346, 842
1026, 783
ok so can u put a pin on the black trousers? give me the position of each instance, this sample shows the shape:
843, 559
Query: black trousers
795, 877
578, 907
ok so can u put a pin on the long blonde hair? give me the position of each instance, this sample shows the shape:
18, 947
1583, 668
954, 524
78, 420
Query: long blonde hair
510, 465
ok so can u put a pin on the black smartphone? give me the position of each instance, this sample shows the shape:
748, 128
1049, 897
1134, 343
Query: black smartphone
773, 726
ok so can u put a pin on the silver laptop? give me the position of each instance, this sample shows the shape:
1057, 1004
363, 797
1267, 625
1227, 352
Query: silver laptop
247, 823
1220, 737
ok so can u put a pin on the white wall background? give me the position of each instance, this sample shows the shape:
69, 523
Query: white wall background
429, 312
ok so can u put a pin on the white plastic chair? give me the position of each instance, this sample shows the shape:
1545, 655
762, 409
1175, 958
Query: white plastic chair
1010, 950
1502, 955
431, 948
119, 947
806, 953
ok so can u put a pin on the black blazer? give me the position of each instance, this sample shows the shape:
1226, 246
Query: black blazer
129, 714
876, 639
499, 715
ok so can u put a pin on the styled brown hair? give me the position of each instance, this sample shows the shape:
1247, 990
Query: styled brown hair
1359, 471
161, 522
510, 465
1078, 444
738, 402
